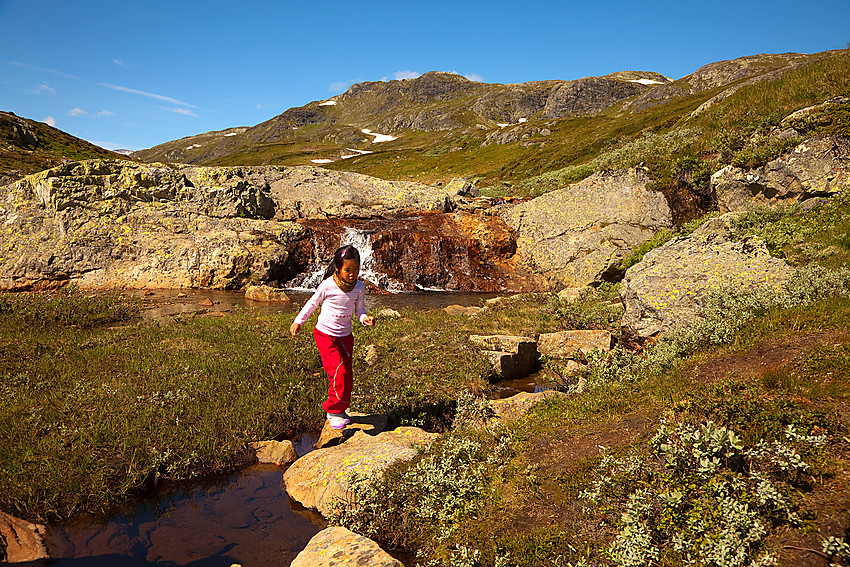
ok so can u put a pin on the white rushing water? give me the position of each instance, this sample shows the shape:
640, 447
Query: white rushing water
360, 239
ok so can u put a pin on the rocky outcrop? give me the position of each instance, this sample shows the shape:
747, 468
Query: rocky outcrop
565, 344
575, 235
339, 547
515, 407
667, 289
371, 424
457, 251
818, 167
117, 224
21, 541
512, 357
321, 479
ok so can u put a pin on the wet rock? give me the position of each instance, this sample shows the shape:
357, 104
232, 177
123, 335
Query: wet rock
275, 452
371, 424
266, 294
206, 303
564, 344
575, 235
667, 289
512, 357
24, 541
322, 478
819, 167
340, 547
513, 408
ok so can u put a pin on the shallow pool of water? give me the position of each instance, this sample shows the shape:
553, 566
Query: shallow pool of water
246, 518
165, 302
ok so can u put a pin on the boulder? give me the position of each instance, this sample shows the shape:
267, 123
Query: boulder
564, 344
513, 408
339, 547
371, 424
667, 289
818, 167
24, 541
275, 452
122, 224
512, 357
573, 236
322, 478
117, 224
266, 294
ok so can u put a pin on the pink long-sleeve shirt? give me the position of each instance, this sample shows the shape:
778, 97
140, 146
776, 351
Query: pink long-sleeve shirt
337, 308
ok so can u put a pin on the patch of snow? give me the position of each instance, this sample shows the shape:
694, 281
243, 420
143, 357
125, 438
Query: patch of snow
645, 81
231, 134
295, 127
349, 156
328, 103
502, 125
379, 137
362, 152
322, 160
193, 146
521, 120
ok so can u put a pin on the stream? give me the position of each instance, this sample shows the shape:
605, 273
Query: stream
246, 518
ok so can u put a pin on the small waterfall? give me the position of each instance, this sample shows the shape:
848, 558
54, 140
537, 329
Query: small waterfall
360, 239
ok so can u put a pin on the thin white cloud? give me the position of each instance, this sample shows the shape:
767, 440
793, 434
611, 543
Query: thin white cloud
44, 70
105, 113
474, 77
43, 88
400, 75
77, 112
179, 110
163, 98
50, 121
122, 64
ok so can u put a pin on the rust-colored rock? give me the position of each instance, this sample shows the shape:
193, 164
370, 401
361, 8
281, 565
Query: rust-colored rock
24, 540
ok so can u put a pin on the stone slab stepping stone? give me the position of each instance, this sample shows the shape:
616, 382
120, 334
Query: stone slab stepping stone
24, 540
275, 452
371, 424
321, 479
339, 547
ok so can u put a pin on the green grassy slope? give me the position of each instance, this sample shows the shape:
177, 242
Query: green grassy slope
28, 146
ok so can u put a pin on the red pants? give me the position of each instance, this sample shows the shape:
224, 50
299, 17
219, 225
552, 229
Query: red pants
336, 360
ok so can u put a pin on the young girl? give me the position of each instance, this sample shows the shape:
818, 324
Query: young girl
340, 294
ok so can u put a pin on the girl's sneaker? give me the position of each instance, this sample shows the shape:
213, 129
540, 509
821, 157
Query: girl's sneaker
338, 420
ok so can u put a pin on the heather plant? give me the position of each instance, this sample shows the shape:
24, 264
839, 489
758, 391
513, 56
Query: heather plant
702, 497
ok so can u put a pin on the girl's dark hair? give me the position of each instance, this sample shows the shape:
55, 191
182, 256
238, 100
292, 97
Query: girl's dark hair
347, 252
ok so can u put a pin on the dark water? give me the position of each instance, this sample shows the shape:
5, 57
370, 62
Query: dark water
245, 519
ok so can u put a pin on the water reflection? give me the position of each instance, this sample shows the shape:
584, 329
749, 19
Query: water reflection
246, 519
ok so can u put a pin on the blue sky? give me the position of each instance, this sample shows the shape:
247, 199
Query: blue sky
136, 74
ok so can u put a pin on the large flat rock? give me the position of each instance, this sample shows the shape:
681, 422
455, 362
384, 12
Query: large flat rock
668, 288
572, 236
322, 478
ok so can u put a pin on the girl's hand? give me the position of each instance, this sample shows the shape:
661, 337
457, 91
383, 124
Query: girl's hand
368, 320
294, 328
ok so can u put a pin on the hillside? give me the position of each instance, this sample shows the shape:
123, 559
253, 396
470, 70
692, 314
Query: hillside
28, 146
504, 135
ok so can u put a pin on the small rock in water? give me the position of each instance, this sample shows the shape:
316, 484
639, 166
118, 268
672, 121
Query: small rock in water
267, 294
206, 303
275, 452
181, 294
147, 292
